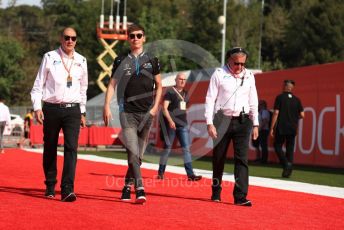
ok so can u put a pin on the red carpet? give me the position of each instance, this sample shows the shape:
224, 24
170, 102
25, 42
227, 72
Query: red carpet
172, 203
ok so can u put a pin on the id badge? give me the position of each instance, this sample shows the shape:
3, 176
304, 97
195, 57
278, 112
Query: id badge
69, 81
182, 105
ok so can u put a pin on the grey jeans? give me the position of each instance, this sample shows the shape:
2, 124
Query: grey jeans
135, 128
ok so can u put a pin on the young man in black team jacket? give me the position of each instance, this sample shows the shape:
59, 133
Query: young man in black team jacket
138, 80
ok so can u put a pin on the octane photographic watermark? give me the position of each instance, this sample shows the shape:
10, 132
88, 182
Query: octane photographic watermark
169, 182
206, 62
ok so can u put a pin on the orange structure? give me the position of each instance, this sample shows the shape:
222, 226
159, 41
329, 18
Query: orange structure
109, 34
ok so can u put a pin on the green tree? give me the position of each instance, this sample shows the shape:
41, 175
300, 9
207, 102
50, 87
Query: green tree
205, 30
11, 56
275, 27
154, 19
243, 27
315, 34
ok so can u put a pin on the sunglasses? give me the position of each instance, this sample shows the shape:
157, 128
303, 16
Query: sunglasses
239, 63
138, 36
289, 81
67, 38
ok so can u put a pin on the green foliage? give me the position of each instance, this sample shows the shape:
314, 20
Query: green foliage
204, 27
11, 55
315, 34
295, 33
273, 37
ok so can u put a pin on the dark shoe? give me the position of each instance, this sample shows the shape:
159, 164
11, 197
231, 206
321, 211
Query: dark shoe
161, 171
194, 177
67, 193
243, 202
126, 193
160, 176
140, 196
50, 192
68, 197
287, 170
216, 193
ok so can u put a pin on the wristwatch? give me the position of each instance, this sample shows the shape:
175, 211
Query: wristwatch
84, 114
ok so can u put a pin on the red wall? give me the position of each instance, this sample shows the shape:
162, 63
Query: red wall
90, 136
321, 90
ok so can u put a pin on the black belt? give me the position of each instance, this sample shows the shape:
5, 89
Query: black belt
238, 117
61, 105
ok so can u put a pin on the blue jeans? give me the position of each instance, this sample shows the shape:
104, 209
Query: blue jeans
184, 140
135, 128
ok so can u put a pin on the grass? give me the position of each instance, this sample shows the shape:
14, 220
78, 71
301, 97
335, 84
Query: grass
308, 174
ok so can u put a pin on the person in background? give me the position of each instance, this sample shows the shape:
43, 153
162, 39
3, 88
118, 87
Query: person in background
175, 123
137, 77
61, 84
232, 96
5, 119
261, 143
287, 112
28, 121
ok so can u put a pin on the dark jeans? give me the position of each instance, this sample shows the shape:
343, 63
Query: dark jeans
135, 128
69, 120
184, 140
289, 141
240, 133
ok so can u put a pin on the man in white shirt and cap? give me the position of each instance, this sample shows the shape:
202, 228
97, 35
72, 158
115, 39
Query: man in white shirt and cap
232, 97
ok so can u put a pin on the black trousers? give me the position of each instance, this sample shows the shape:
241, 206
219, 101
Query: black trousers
240, 133
55, 119
289, 140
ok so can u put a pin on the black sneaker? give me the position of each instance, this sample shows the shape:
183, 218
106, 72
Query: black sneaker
67, 193
140, 196
126, 193
216, 193
194, 177
68, 197
50, 192
243, 202
287, 170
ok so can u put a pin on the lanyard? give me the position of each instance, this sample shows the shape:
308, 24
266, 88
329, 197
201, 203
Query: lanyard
65, 66
181, 97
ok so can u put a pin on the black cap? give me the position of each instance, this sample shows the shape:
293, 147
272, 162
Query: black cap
289, 81
234, 51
